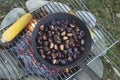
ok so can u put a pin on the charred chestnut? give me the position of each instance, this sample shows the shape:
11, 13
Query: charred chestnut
42, 27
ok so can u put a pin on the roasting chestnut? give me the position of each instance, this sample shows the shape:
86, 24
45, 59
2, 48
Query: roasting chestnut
61, 42
42, 27
51, 45
63, 33
82, 33
51, 27
69, 34
61, 47
65, 38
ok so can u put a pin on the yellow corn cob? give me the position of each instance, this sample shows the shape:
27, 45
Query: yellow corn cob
15, 29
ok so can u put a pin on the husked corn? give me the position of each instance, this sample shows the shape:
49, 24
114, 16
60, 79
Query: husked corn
15, 29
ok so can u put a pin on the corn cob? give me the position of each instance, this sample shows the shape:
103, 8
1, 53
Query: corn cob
15, 29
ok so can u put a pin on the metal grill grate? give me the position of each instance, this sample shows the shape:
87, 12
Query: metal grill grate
96, 51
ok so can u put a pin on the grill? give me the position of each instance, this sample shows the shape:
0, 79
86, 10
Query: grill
20, 47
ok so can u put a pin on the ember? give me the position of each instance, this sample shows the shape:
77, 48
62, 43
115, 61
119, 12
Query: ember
25, 55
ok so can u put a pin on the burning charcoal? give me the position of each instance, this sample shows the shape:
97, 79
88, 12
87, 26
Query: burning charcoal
69, 34
82, 42
67, 70
63, 33
51, 45
65, 38
82, 33
70, 59
61, 47
42, 27
51, 27
56, 47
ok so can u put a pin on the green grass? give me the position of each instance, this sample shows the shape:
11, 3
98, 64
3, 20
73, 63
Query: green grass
106, 11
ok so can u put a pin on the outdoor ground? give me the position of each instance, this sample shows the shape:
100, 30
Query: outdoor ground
105, 10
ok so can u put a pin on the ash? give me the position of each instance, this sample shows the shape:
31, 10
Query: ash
24, 52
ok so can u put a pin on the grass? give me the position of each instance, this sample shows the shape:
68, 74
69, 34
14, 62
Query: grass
106, 11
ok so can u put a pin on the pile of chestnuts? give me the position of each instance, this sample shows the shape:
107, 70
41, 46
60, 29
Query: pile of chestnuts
61, 42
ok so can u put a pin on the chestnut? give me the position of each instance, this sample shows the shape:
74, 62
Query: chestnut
42, 27
61, 47
51, 27
63, 33
82, 33
65, 38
